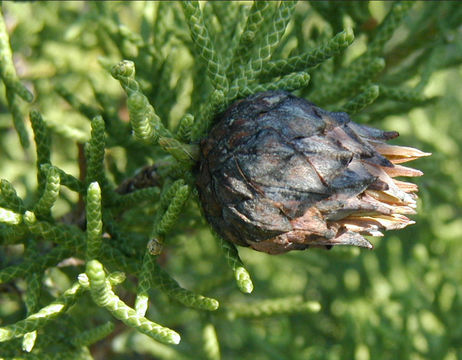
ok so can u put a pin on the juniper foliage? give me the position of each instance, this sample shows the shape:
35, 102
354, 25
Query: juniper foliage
115, 87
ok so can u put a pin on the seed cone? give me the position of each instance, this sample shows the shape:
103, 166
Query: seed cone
278, 173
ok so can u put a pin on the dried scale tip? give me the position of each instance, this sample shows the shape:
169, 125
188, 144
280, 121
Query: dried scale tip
278, 173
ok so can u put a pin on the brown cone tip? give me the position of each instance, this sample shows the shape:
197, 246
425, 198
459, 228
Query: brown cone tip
278, 173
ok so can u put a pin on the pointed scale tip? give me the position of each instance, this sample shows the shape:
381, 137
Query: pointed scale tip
398, 154
399, 170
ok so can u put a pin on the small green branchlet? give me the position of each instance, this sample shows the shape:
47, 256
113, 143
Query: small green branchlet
241, 275
94, 222
103, 296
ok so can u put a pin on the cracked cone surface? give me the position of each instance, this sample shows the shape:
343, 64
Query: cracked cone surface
278, 173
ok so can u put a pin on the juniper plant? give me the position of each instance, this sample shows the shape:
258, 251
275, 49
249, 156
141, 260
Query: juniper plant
103, 239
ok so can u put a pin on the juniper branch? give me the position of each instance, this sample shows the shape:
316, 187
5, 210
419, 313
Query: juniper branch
268, 42
91, 336
94, 223
146, 124
349, 80
170, 217
204, 46
157, 277
289, 82
52, 258
43, 316
367, 97
311, 58
271, 39
124, 71
215, 104
95, 162
143, 118
34, 287
103, 296
258, 12
17, 114
43, 146
68, 235
402, 94
388, 26
243, 280
67, 180
183, 132
10, 197
186, 154
42, 208
283, 306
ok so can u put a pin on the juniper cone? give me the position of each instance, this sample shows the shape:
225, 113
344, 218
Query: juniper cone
278, 173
